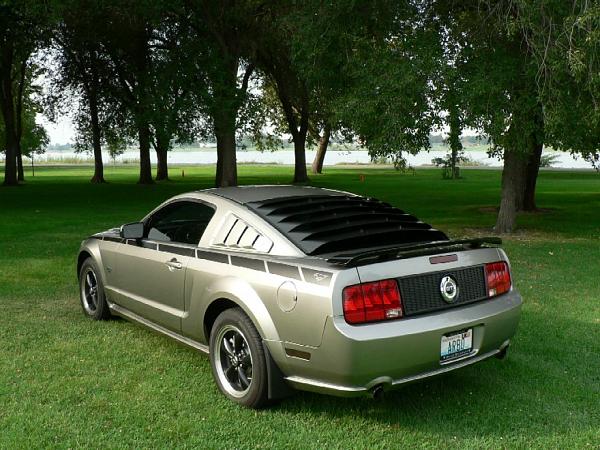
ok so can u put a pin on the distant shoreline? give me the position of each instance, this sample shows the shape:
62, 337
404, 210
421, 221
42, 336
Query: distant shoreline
371, 166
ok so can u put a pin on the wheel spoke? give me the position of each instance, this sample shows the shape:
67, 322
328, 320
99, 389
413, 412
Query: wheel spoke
227, 346
229, 372
244, 382
88, 280
247, 360
238, 342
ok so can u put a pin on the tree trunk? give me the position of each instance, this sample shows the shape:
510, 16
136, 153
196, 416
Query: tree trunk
454, 139
531, 174
19, 119
224, 115
8, 112
300, 174
145, 166
226, 157
96, 139
286, 84
513, 184
317, 165
533, 163
10, 163
298, 134
162, 165
162, 143
20, 172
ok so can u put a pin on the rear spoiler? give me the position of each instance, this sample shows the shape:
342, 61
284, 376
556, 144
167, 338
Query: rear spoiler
409, 251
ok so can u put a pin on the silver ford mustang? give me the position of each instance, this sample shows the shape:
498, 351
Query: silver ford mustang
299, 287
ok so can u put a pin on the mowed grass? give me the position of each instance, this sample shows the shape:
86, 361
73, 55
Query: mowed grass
66, 381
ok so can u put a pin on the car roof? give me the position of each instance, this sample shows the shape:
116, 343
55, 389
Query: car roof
260, 193
322, 221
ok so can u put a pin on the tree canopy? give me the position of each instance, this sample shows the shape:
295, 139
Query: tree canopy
383, 75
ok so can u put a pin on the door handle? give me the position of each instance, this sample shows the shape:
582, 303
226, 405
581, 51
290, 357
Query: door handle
174, 264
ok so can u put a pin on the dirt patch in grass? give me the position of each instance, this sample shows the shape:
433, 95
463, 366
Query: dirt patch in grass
521, 235
494, 209
488, 209
540, 211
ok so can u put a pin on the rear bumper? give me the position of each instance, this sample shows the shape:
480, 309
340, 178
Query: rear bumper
354, 359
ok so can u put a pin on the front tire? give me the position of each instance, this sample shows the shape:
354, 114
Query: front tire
91, 291
237, 359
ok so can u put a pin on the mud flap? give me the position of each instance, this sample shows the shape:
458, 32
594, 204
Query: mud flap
278, 388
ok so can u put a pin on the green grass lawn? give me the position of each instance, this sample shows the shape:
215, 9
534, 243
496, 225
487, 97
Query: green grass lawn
66, 381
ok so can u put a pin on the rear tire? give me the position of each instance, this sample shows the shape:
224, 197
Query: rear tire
91, 291
237, 359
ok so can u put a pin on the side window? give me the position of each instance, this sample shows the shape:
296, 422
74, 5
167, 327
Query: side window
238, 234
183, 222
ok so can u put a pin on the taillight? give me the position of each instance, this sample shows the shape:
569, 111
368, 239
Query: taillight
498, 278
372, 302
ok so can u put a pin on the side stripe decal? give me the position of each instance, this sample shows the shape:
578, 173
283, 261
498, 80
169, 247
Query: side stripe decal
249, 263
212, 256
320, 277
183, 251
150, 245
113, 239
284, 270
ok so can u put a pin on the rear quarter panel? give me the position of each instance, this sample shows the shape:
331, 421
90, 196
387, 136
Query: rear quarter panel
265, 297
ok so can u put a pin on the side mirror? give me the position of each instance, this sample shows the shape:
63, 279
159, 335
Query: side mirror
133, 230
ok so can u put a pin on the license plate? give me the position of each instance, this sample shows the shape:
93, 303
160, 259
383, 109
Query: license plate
456, 345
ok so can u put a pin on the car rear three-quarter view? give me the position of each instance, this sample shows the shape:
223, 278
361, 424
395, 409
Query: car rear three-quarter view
299, 287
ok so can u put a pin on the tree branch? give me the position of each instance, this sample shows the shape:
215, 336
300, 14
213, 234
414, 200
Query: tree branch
247, 75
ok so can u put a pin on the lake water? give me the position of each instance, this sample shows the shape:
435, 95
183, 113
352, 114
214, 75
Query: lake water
333, 157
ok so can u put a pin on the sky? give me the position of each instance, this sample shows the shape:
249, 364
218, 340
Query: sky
61, 132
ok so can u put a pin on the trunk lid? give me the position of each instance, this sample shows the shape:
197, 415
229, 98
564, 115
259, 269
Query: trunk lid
422, 279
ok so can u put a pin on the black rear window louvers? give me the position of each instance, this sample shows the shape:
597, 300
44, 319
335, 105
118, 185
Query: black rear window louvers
324, 224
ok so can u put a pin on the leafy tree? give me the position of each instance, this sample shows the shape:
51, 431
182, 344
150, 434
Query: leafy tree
369, 66
507, 49
269, 123
21, 34
116, 144
294, 96
32, 137
82, 75
218, 37
565, 43
302, 48
449, 85
175, 112
35, 139
298, 50
127, 39
269, 114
